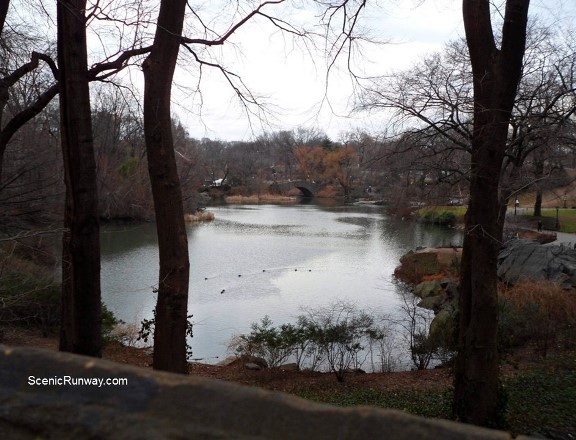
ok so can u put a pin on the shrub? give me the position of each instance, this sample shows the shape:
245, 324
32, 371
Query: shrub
270, 343
30, 295
542, 312
414, 326
129, 167
28, 292
342, 331
339, 337
438, 217
109, 323
125, 334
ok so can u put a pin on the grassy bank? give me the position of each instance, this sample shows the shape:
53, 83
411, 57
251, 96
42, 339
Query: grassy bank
442, 215
430, 403
566, 217
450, 215
539, 401
543, 401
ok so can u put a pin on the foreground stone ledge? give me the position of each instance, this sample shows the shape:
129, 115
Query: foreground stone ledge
156, 405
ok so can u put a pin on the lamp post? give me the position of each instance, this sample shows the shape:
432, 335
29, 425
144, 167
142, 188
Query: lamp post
557, 219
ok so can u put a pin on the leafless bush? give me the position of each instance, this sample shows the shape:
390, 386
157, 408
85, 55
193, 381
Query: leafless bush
542, 312
126, 334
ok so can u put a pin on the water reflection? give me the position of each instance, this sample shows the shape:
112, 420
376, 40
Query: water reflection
267, 260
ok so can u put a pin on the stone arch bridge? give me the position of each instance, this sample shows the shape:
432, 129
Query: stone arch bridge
307, 188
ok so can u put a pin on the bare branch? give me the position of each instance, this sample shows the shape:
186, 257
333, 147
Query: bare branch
233, 29
24, 116
28, 234
117, 64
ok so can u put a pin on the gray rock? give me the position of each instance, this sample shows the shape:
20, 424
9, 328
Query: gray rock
155, 405
442, 325
228, 361
255, 360
252, 366
451, 289
432, 302
529, 260
427, 288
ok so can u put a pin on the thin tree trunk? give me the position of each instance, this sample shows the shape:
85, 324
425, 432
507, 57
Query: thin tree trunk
171, 308
496, 76
538, 174
538, 203
81, 304
4, 5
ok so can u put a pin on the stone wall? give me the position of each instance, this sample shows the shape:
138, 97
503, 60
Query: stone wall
155, 405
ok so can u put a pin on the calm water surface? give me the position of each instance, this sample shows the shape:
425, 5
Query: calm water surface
270, 260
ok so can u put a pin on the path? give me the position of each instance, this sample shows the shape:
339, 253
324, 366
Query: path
564, 238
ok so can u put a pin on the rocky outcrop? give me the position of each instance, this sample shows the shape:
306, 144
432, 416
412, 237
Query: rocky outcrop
523, 260
428, 261
153, 405
442, 298
249, 362
440, 293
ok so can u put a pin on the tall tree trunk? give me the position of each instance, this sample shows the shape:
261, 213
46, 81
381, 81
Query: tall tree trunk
4, 5
171, 308
538, 203
538, 174
496, 76
81, 304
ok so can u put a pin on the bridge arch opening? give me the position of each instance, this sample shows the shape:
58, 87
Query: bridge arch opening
305, 192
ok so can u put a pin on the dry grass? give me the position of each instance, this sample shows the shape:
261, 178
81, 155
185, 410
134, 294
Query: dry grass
197, 217
262, 198
551, 300
542, 312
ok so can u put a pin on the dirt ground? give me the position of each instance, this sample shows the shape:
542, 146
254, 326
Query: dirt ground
276, 379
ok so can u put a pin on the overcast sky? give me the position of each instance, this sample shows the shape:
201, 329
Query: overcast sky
294, 85
289, 81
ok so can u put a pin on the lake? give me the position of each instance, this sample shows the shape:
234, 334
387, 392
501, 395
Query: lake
259, 260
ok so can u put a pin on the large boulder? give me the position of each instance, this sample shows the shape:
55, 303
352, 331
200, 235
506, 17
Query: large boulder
437, 295
38, 399
428, 261
442, 298
522, 260
427, 289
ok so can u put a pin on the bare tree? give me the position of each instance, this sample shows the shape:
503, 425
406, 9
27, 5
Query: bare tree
122, 171
432, 104
18, 64
28, 72
172, 303
496, 75
80, 330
